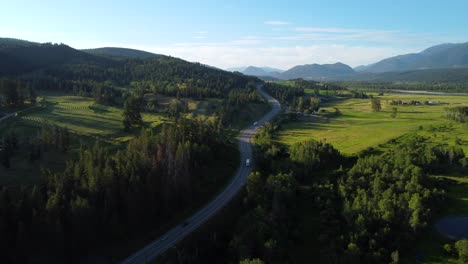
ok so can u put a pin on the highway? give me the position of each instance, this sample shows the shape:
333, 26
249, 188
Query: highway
169, 239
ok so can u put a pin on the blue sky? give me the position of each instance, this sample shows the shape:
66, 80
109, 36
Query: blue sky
237, 33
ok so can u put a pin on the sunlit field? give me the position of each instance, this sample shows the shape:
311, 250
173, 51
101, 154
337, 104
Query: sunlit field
358, 127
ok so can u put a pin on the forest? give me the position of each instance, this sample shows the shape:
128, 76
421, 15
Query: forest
104, 196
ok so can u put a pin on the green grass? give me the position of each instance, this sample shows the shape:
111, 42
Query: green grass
80, 115
358, 128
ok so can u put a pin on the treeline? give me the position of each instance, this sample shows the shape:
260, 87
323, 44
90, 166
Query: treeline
453, 87
104, 196
458, 114
233, 107
50, 137
15, 92
294, 97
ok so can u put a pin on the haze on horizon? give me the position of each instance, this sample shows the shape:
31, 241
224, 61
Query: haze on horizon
232, 34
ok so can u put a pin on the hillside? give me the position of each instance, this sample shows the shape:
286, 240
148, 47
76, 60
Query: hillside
436, 57
171, 75
120, 53
429, 75
22, 57
318, 71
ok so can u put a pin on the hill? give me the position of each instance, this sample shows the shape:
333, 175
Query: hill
120, 53
171, 76
22, 57
436, 57
318, 71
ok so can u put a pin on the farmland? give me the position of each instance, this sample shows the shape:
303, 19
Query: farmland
357, 127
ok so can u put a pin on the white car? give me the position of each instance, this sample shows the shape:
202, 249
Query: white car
247, 162
255, 123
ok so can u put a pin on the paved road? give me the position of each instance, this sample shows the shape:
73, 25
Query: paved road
177, 233
5, 117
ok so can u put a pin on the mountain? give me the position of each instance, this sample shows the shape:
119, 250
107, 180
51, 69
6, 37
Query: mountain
46, 64
237, 69
120, 53
436, 57
458, 75
257, 71
318, 71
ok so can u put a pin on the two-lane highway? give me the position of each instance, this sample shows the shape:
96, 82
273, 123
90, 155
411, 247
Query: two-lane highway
177, 233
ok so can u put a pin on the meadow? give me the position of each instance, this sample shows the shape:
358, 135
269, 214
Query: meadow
357, 127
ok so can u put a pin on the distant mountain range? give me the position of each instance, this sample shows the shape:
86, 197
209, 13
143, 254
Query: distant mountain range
256, 71
443, 56
318, 71
436, 63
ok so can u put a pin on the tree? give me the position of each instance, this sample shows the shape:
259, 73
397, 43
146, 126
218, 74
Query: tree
376, 105
132, 112
462, 248
394, 112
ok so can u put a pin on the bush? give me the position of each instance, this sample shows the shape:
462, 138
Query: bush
462, 248
448, 249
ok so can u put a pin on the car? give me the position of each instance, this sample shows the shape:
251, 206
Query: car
255, 123
247, 162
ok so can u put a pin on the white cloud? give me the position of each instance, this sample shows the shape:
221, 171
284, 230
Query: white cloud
277, 23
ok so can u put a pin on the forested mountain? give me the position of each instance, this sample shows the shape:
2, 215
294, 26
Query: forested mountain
428, 75
255, 71
436, 57
34, 61
318, 71
19, 57
120, 53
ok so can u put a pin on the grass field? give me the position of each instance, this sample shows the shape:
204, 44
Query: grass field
358, 127
80, 115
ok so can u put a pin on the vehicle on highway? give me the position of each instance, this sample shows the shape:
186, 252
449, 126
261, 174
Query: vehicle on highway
247, 162
255, 123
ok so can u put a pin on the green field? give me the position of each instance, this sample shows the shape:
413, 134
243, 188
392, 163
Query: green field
80, 115
358, 127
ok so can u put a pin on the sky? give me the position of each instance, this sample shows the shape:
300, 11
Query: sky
227, 34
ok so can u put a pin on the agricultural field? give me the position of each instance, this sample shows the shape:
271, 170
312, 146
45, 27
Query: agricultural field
357, 127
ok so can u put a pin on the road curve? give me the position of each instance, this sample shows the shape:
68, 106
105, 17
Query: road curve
169, 239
